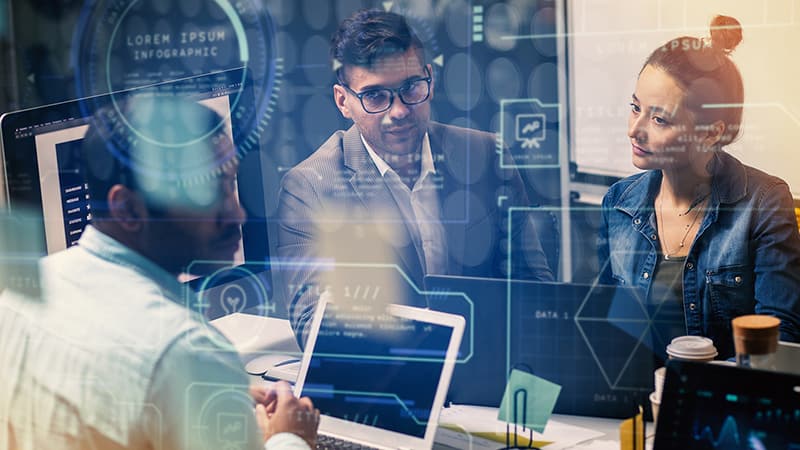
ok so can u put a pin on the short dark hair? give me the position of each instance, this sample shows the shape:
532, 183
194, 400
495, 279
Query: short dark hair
706, 71
369, 35
147, 144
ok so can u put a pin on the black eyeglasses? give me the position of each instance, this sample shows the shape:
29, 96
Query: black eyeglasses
376, 101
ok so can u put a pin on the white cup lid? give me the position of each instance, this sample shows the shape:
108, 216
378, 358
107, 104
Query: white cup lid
692, 347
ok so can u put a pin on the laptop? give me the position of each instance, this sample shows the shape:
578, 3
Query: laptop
787, 358
378, 374
480, 374
600, 343
710, 406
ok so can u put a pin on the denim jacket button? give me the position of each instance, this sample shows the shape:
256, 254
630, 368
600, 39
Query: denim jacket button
637, 221
654, 237
646, 275
692, 306
737, 279
690, 266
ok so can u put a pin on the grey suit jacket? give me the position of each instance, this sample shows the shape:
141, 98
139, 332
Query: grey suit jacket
335, 207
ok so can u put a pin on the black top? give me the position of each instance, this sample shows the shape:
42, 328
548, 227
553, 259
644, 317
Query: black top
666, 302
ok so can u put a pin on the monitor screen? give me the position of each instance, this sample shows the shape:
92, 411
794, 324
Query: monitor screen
710, 406
41, 150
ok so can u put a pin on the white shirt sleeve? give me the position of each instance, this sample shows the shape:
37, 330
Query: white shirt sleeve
199, 399
286, 441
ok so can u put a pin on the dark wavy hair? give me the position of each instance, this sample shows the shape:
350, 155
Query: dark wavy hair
369, 35
706, 71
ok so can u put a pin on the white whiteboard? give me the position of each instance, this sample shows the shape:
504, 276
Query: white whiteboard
608, 41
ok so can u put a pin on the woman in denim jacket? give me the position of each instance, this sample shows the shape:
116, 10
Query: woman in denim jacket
707, 237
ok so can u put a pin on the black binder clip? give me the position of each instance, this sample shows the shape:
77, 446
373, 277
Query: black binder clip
520, 401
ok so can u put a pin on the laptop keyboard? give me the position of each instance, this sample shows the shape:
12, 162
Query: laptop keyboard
332, 443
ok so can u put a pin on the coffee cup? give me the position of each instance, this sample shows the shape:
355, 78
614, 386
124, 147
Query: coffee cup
692, 348
658, 378
655, 403
755, 338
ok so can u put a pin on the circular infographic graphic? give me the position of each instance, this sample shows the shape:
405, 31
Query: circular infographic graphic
233, 289
222, 421
203, 50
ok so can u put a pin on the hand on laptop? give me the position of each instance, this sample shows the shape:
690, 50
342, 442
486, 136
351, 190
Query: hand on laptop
281, 412
260, 393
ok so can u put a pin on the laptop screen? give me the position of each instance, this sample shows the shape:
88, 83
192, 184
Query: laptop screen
377, 369
600, 343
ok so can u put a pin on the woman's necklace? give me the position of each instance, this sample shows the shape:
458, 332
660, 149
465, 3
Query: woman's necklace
696, 206
697, 201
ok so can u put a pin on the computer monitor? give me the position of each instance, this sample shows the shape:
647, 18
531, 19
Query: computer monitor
42, 166
710, 406
40, 149
600, 343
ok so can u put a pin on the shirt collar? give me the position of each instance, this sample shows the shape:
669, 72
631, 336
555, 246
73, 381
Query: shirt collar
639, 194
426, 161
105, 247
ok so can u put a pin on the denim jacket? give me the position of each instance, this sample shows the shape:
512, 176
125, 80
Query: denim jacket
745, 258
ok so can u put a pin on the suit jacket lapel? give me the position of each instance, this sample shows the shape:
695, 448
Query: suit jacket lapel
379, 203
447, 159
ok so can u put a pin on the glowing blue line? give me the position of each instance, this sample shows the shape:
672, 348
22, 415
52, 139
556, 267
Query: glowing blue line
729, 430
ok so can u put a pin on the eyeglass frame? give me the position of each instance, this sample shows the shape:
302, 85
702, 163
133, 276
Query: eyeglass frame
360, 95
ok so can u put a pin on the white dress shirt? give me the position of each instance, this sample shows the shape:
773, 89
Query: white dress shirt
424, 216
109, 358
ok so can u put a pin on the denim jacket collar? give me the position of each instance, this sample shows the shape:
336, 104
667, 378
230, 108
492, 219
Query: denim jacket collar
728, 185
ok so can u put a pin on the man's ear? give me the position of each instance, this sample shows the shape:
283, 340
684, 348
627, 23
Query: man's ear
340, 98
126, 208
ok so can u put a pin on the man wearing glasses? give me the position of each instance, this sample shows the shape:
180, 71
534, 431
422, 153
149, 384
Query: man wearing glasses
397, 189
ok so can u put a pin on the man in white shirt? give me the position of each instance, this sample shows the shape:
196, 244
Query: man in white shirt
108, 357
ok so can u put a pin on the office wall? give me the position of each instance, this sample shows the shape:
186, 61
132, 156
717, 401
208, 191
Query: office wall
610, 39
515, 59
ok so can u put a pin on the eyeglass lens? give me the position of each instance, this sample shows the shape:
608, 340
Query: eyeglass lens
381, 99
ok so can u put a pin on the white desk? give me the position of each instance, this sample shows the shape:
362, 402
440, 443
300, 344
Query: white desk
252, 335
488, 433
